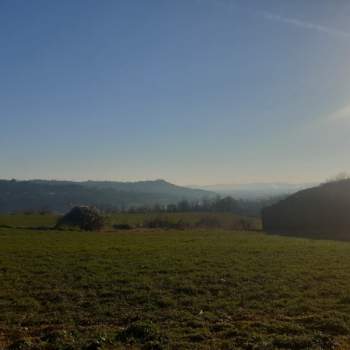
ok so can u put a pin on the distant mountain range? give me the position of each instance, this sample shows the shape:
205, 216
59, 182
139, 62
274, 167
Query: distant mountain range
255, 191
60, 196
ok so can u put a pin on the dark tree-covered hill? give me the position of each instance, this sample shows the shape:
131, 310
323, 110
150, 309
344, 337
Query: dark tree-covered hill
319, 212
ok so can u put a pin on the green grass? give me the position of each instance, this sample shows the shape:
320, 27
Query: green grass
28, 220
134, 219
172, 290
226, 220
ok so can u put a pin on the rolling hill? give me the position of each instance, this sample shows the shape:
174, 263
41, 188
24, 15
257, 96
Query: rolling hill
60, 196
318, 212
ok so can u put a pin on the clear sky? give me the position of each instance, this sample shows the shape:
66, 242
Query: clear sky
192, 91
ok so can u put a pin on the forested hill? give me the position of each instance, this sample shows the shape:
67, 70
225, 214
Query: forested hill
59, 196
321, 212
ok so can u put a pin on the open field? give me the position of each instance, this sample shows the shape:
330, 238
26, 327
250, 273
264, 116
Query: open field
224, 220
155, 289
28, 220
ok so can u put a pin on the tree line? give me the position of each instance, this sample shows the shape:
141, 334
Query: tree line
226, 204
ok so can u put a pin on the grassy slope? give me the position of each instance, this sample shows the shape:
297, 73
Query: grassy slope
200, 289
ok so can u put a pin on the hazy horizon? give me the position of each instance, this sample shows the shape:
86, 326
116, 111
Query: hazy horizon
194, 185
198, 92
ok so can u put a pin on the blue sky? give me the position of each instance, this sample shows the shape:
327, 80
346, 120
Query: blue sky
192, 91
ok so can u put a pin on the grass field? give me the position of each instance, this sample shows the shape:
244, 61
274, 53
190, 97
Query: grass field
187, 289
226, 220
28, 220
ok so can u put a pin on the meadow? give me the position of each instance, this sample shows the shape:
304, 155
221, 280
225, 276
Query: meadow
170, 289
137, 220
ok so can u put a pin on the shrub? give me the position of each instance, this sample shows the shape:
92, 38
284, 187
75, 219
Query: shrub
159, 222
122, 227
85, 218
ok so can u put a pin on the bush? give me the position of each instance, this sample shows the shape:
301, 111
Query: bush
164, 223
122, 227
85, 218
